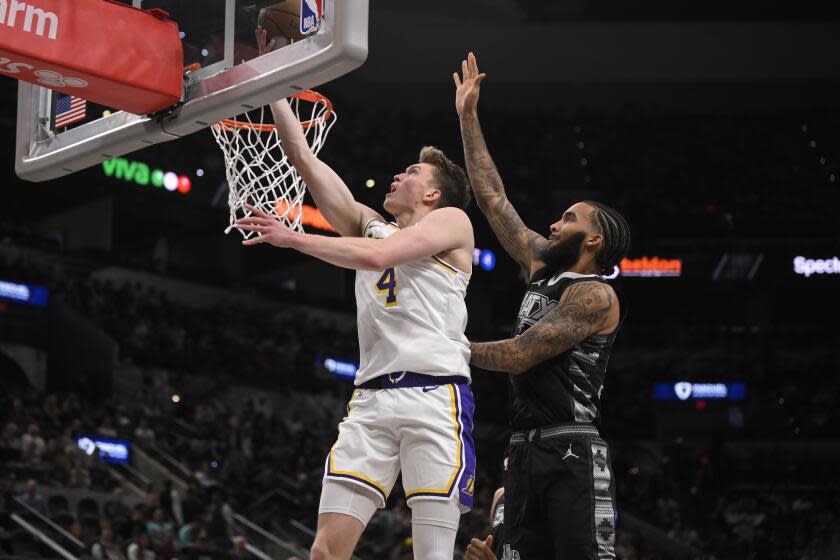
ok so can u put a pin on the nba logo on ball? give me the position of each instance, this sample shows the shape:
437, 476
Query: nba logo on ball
311, 12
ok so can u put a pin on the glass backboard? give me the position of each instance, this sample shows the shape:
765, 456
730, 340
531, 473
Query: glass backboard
316, 41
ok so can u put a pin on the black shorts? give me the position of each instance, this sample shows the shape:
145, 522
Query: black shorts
559, 497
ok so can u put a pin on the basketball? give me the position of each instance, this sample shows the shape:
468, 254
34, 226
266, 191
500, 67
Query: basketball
282, 22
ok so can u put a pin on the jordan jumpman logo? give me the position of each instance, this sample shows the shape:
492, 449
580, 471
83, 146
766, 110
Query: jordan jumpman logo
570, 453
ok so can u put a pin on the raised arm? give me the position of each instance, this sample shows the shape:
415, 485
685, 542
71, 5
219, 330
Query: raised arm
444, 229
331, 194
521, 243
586, 308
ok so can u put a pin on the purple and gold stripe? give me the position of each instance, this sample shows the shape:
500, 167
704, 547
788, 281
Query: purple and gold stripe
462, 420
443, 264
356, 477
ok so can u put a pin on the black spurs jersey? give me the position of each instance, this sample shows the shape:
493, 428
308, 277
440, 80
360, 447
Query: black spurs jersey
566, 388
497, 527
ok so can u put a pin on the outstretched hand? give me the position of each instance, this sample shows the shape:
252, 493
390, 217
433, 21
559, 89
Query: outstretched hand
268, 229
264, 46
467, 89
480, 550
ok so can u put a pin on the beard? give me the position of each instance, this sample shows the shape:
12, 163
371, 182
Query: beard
565, 253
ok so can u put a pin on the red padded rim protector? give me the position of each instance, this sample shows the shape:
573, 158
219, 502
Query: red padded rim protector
106, 52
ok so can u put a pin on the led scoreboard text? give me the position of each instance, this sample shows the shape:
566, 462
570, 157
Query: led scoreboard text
115, 451
27, 294
684, 390
806, 267
143, 175
647, 267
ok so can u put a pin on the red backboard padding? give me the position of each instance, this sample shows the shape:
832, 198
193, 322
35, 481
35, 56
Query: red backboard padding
106, 52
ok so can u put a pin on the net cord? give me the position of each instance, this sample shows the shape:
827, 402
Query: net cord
259, 172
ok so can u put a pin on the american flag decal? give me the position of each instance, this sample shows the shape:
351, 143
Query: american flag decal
68, 110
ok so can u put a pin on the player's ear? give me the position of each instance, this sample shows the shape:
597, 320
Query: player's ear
433, 195
594, 240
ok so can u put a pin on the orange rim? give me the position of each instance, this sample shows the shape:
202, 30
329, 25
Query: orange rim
305, 95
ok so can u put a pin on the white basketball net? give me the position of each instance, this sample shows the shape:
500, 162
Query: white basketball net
258, 171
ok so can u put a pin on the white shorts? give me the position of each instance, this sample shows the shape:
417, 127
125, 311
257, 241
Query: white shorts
425, 431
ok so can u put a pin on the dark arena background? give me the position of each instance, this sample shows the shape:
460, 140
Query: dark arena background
157, 377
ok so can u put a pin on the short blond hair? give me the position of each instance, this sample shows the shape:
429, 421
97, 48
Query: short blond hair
451, 178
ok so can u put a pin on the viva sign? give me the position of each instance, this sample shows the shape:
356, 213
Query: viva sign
142, 174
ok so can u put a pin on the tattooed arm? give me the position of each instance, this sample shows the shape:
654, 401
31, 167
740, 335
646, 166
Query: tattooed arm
586, 308
521, 243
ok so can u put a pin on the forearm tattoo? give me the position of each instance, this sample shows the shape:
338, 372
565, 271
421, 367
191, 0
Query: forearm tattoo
585, 309
519, 241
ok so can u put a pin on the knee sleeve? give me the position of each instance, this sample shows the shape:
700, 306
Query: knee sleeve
349, 499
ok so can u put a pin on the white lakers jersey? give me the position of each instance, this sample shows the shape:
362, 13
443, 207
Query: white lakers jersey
411, 317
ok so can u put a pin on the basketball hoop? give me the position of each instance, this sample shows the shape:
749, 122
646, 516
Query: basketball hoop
258, 171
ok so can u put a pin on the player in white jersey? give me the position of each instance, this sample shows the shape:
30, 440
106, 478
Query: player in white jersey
412, 409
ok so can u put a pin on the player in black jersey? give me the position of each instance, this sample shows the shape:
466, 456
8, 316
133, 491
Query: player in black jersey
492, 547
559, 492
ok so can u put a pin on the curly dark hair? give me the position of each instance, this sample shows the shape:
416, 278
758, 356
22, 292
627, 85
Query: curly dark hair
616, 234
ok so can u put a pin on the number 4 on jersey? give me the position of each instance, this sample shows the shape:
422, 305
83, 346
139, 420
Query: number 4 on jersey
387, 284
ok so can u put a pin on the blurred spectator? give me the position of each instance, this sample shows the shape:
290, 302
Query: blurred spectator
157, 527
107, 428
79, 475
9, 437
192, 505
238, 550
188, 534
104, 548
116, 510
169, 548
76, 530
33, 499
202, 550
32, 444
136, 525
151, 503
203, 476
170, 502
144, 434
141, 548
